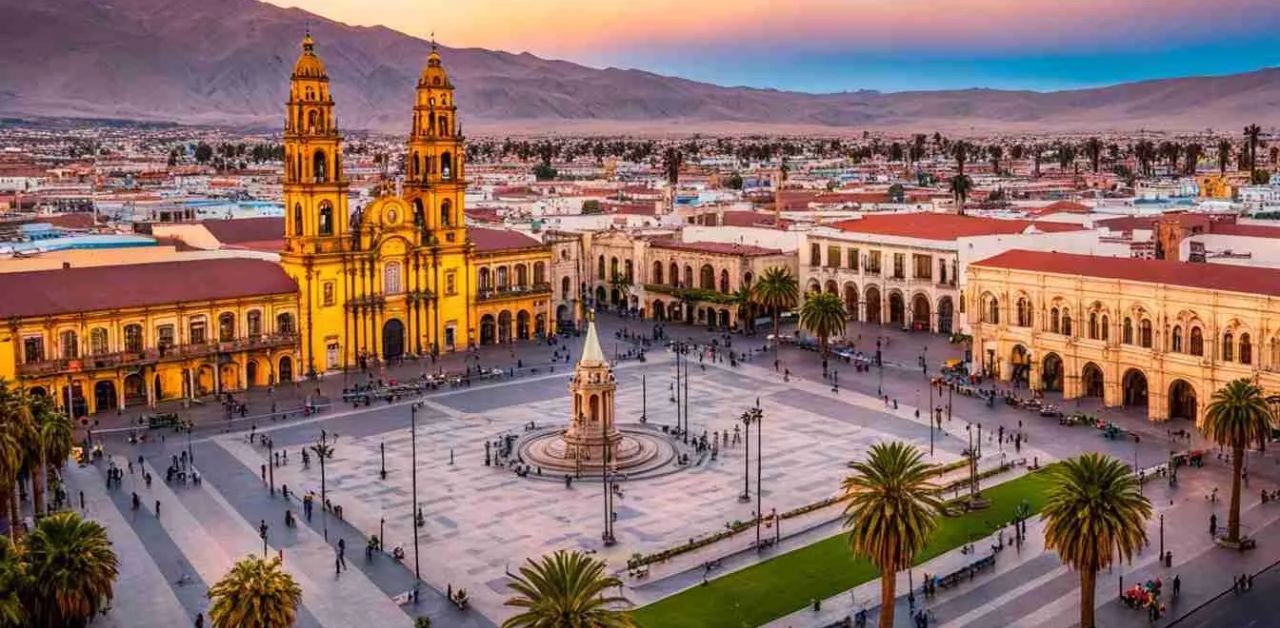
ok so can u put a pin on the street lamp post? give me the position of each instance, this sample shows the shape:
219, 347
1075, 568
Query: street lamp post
758, 418
262, 533
191, 455
323, 450
382, 449
685, 400
607, 537
271, 466
676, 397
930, 416
644, 398
413, 448
1162, 534
746, 461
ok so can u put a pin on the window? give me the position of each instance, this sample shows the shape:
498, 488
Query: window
326, 218
656, 277
600, 268
851, 258
446, 213
899, 262
628, 271
675, 275
197, 334
133, 338
164, 336
1024, 312
564, 288
391, 278
923, 267
1175, 342
451, 283
833, 256
1093, 325
1246, 349
1144, 333
297, 220
1197, 341
32, 349
707, 277
942, 271
815, 254
486, 279
503, 279
253, 321
1054, 321
98, 344
1126, 334
1227, 347
873, 262
226, 327
284, 323
724, 281
1066, 322
446, 166
327, 293
990, 309
69, 345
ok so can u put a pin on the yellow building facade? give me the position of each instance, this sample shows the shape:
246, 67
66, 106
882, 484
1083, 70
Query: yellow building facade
1153, 334
400, 276
106, 337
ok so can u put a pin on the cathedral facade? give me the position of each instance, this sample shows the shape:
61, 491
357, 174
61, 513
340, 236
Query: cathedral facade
399, 276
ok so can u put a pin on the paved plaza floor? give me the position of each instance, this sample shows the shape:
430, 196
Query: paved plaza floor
483, 521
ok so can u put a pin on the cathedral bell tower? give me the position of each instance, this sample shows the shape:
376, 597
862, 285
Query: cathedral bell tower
434, 183
315, 192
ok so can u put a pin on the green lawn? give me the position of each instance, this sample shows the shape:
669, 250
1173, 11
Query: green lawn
766, 591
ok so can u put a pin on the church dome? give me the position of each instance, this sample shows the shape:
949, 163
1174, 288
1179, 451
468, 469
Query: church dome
434, 75
309, 65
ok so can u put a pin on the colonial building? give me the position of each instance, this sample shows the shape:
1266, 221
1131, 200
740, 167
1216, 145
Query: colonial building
400, 275
104, 337
697, 282
513, 294
1158, 334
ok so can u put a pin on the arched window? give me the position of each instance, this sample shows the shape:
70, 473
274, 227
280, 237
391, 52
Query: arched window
564, 288
1106, 328
446, 213
657, 273
600, 268
446, 166
297, 219
629, 271
419, 216
990, 309
1055, 322
1228, 346
1197, 341
319, 167
444, 125
1093, 326
98, 341
675, 275
226, 327
707, 279
1175, 343
613, 268
133, 338
503, 282
415, 168
1246, 349
391, 278
1023, 311
284, 323
1066, 322
326, 218
688, 276
253, 321
486, 279
539, 273
1126, 332
1144, 333
313, 119
522, 276
69, 344
724, 281
1275, 354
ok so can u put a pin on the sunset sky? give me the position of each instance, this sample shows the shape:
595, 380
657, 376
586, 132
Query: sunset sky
835, 45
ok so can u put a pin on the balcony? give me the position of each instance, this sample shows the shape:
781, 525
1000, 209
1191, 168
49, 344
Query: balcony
156, 355
513, 292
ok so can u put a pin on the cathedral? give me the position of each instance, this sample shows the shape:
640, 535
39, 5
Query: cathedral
404, 274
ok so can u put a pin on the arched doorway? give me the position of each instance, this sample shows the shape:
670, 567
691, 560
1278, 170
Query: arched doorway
920, 318
1019, 366
1051, 373
522, 325
540, 325
392, 339
562, 316
1134, 383
251, 374
724, 319
946, 311
104, 396
286, 369
897, 309
851, 301
504, 326
1182, 400
873, 305
488, 329
135, 389
599, 295
659, 310
1091, 380
74, 397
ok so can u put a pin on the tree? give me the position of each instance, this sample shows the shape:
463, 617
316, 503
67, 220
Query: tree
1095, 511
567, 589
1237, 417
1093, 150
897, 193
256, 593
823, 314
591, 206
744, 301
72, 568
1259, 177
13, 582
1224, 155
1251, 135
734, 182
777, 290
54, 439
891, 513
996, 152
11, 459
622, 284
960, 150
961, 186
203, 152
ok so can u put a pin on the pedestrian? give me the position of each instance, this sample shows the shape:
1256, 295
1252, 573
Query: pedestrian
1249, 583
1213, 524
157, 509
199, 620
81, 500
342, 552
264, 473
1177, 585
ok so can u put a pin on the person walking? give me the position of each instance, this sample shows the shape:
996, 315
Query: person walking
1177, 585
199, 620
342, 553
157, 509
1213, 524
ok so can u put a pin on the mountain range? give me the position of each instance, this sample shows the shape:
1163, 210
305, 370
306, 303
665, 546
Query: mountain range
227, 62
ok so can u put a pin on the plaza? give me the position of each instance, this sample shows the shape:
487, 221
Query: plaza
482, 521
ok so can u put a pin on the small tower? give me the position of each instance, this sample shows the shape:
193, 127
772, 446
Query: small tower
315, 191
434, 183
593, 388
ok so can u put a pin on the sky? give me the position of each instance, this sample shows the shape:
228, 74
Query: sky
847, 45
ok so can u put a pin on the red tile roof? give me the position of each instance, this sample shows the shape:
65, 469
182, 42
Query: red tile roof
1223, 277
716, 248
1252, 231
500, 239
239, 230
95, 288
943, 227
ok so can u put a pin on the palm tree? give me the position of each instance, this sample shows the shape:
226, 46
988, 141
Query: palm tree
823, 314
1093, 149
566, 589
960, 150
743, 300
75, 566
1251, 134
891, 513
1224, 155
622, 284
256, 593
10, 468
1095, 511
54, 439
996, 152
776, 290
1237, 417
12, 582
961, 186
